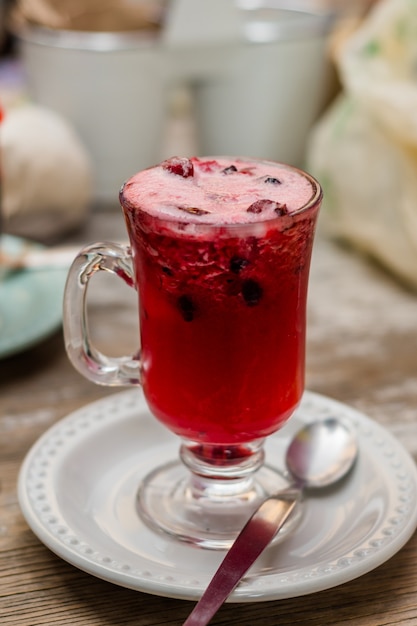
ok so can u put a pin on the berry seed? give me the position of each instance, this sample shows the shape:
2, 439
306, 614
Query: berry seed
281, 209
261, 205
193, 210
272, 181
229, 170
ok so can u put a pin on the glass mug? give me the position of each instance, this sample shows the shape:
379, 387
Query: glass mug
222, 316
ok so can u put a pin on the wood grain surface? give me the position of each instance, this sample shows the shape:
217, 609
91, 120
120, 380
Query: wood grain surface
362, 331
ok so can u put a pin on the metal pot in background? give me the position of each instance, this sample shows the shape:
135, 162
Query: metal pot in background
270, 88
110, 86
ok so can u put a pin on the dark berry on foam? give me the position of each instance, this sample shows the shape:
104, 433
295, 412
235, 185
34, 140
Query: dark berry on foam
261, 205
229, 170
251, 292
187, 308
281, 209
237, 264
193, 210
180, 166
272, 181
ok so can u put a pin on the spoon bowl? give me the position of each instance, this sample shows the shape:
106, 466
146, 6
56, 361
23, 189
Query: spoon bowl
321, 453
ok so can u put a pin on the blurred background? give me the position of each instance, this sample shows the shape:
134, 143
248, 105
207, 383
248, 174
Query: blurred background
94, 90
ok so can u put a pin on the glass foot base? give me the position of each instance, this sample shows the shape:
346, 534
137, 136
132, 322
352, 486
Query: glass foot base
207, 513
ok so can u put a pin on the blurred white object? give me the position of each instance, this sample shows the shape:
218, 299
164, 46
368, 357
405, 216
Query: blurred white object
31, 256
111, 87
364, 149
46, 173
199, 22
270, 88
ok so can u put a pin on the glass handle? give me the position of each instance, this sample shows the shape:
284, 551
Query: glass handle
90, 362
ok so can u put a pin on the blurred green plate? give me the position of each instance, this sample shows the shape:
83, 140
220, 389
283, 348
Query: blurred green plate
30, 302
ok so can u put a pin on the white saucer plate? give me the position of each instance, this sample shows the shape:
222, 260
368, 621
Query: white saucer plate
30, 301
78, 483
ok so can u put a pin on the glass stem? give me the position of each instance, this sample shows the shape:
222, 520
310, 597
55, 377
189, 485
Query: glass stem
222, 471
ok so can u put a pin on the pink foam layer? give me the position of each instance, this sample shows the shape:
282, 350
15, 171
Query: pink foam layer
225, 197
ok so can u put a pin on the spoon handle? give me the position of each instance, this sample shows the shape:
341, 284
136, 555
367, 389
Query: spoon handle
250, 543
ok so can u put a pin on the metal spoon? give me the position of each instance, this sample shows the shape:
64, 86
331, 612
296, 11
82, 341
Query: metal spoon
319, 455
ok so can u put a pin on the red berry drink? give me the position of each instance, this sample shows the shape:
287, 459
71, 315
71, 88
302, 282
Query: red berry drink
222, 251
220, 254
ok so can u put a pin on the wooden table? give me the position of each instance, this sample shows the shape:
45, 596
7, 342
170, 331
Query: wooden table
361, 350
